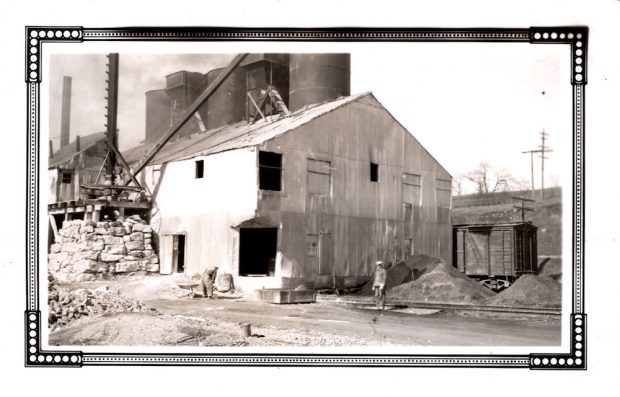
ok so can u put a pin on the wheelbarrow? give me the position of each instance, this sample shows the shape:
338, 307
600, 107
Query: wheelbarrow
188, 285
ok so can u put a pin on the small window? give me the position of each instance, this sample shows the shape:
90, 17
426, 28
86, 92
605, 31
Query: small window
312, 244
200, 169
374, 172
67, 177
412, 187
319, 177
270, 171
443, 193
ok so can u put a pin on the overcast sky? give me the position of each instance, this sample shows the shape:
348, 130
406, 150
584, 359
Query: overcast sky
465, 102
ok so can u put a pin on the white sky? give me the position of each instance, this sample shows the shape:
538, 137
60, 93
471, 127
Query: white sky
465, 102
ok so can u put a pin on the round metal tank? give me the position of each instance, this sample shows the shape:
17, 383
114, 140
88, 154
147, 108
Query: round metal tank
227, 104
158, 114
316, 78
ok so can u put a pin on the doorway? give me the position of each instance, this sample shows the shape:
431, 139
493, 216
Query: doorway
257, 251
178, 253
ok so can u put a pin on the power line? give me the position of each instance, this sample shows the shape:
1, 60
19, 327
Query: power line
542, 149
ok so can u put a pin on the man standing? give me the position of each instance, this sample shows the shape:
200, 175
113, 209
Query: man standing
379, 285
207, 281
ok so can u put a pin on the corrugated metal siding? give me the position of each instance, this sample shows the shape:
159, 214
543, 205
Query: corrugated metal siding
367, 219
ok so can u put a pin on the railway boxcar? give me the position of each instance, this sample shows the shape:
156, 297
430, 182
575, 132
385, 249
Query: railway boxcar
496, 255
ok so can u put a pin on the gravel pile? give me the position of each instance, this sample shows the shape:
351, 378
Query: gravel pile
403, 272
67, 306
530, 291
443, 284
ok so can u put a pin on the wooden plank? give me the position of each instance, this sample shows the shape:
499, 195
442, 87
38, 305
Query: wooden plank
477, 254
120, 157
54, 227
165, 254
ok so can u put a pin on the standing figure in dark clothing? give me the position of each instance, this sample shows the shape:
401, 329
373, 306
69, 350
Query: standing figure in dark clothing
208, 281
379, 285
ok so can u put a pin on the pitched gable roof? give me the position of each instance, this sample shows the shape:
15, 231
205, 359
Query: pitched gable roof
66, 153
238, 135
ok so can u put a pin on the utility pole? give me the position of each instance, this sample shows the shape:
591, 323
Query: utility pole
542, 149
531, 152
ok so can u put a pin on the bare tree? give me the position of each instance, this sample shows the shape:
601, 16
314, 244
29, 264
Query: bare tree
457, 185
488, 179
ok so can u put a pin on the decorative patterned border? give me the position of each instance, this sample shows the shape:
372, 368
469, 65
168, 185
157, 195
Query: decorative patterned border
575, 36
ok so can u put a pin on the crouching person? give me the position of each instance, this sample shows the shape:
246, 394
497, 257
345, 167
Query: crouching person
379, 285
208, 281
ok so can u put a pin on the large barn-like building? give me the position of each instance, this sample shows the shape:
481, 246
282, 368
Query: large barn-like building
308, 188
312, 198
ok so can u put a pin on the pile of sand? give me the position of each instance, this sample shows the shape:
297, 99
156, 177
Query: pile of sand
443, 284
403, 272
530, 291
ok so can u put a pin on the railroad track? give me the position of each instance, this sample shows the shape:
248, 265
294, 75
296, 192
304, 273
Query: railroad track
444, 306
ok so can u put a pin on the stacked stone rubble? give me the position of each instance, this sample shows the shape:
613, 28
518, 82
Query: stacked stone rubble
87, 250
67, 306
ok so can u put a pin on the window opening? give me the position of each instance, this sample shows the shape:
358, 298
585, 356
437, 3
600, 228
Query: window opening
257, 251
270, 171
200, 169
374, 172
67, 177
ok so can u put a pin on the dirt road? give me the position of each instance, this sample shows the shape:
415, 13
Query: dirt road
325, 323
372, 326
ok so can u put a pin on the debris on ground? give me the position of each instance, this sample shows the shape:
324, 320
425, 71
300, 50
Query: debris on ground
67, 306
530, 291
552, 268
403, 272
154, 329
443, 284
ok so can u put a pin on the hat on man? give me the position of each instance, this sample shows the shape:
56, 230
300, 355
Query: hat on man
379, 263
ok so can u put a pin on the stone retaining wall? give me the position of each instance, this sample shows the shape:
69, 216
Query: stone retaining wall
87, 250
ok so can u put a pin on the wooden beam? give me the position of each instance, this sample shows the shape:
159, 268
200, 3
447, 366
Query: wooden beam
54, 227
187, 114
120, 157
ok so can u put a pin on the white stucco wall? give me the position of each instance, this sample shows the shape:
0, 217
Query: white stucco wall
204, 209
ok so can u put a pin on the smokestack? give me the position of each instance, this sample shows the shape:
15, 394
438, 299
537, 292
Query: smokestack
65, 120
77, 143
51, 149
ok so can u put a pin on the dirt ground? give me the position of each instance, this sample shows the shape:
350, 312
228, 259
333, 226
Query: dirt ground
172, 318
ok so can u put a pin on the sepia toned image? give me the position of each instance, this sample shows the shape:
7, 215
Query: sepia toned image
308, 199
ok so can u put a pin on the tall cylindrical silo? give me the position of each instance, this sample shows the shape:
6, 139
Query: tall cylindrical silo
227, 104
158, 114
316, 78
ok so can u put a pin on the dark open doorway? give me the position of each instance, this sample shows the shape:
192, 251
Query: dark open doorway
178, 253
257, 251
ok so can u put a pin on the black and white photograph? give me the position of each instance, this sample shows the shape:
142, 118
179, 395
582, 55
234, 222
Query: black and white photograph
332, 199
314, 198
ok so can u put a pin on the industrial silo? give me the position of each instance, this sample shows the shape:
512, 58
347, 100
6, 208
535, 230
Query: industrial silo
227, 104
316, 78
158, 114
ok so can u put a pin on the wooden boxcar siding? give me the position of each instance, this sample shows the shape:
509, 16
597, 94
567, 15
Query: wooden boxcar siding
206, 209
364, 218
